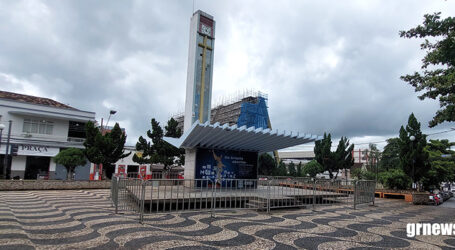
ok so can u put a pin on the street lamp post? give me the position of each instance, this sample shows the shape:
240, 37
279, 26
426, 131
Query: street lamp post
412, 138
112, 112
2, 126
5, 160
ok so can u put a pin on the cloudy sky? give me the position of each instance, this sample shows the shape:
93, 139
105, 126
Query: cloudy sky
326, 65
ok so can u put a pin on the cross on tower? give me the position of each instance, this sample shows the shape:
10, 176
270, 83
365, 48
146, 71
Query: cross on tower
205, 47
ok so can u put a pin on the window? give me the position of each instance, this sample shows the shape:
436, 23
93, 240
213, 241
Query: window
35, 126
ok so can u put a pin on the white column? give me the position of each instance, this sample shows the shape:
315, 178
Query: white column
190, 164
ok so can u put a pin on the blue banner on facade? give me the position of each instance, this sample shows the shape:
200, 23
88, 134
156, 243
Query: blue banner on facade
222, 165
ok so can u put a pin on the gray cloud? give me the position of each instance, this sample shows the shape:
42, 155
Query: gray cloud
326, 65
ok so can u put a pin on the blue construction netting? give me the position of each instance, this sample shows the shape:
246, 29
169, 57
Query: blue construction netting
254, 114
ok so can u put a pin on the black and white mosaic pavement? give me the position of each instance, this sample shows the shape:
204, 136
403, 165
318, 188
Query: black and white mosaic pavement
82, 219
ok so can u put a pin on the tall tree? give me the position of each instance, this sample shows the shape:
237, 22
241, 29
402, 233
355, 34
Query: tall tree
438, 65
158, 150
299, 169
281, 169
292, 170
374, 155
323, 154
343, 155
266, 164
104, 149
334, 161
70, 158
413, 158
442, 164
390, 158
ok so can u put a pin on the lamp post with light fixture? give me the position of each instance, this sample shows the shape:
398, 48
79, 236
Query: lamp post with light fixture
98, 171
2, 126
412, 139
111, 112
5, 160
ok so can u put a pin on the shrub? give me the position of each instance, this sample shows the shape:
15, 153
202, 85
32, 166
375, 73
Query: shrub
312, 168
395, 179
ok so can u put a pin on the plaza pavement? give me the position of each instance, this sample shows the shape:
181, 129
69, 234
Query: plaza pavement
81, 219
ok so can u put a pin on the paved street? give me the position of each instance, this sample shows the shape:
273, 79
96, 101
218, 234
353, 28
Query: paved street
85, 219
449, 203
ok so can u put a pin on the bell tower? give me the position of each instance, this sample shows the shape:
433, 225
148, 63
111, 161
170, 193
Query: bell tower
200, 69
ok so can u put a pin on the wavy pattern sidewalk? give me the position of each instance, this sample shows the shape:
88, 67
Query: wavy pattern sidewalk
85, 219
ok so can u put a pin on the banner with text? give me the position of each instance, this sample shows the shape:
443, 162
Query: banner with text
219, 165
32, 150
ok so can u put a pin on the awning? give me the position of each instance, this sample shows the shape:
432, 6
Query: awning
242, 139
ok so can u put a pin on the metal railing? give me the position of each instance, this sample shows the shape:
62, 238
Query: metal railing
126, 194
185, 195
364, 192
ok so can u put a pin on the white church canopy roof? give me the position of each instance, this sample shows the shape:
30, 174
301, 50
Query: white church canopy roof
238, 138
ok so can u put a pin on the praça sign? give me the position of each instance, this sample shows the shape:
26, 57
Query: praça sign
36, 148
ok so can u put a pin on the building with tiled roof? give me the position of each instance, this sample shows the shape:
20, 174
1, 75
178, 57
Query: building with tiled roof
33, 100
38, 129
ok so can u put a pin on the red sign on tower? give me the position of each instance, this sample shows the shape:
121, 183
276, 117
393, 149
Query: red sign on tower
206, 26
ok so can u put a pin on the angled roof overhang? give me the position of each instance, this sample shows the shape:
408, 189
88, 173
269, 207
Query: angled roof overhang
238, 138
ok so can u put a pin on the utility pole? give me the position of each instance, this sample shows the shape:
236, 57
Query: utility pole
6, 160
2, 126
412, 139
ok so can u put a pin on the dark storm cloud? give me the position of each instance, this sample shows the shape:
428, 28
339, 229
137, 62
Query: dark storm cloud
326, 65
97, 56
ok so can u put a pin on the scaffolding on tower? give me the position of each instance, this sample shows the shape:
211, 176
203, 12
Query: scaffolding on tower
245, 108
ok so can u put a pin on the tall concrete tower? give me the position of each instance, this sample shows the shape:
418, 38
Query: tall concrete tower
200, 69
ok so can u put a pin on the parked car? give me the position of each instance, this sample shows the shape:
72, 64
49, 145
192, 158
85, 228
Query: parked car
445, 195
434, 199
441, 199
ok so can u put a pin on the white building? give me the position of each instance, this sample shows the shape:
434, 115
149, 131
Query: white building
296, 156
128, 167
306, 156
40, 128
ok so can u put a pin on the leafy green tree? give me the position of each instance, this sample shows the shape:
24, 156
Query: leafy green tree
104, 149
442, 165
334, 161
356, 173
172, 130
374, 155
158, 150
363, 174
70, 158
372, 166
299, 169
390, 158
322, 152
395, 179
413, 158
437, 78
312, 168
266, 164
292, 170
343, 155
281, 169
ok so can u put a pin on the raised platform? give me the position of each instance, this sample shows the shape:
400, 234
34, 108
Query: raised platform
179, 197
